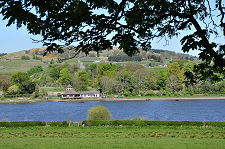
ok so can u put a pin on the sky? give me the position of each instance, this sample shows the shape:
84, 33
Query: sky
13, 40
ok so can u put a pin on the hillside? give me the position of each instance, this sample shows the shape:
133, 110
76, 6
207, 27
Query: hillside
26, 59
148, 73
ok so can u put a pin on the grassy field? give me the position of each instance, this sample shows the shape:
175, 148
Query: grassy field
8, 67
74, 60
157, 68
113, 137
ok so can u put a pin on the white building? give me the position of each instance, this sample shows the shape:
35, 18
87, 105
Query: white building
71, 94
90, 94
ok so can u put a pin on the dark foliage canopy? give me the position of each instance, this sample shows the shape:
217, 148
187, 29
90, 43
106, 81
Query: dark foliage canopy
131, 24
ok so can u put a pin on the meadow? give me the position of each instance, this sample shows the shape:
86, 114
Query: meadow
169, 137
8, 67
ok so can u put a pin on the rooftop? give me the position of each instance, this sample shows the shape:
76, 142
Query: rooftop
70, 92
69, 86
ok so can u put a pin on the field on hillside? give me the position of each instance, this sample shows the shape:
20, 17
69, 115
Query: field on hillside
146, 63
113, 137
8, 67
75, 60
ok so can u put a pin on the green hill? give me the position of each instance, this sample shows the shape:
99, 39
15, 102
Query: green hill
24, 60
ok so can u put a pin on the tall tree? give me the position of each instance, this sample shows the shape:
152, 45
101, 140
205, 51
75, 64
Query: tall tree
24, 82
65, 77
5, 82
175, 77
83, 80
134, 23
140, 77
162, 80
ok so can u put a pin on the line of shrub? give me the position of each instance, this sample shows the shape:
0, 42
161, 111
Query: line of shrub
152, 123
59, 123
22, 123
113, 123
33, 123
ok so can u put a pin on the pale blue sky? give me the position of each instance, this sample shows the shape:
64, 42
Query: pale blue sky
13, 40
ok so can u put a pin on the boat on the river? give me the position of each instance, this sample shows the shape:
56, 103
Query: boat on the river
148, 99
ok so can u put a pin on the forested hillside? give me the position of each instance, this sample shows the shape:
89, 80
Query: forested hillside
149, 73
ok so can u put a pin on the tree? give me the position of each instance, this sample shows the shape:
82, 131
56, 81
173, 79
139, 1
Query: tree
107, 84
175, 77
35, 69
20, 77
14, 89
73, 68
24, 82
105, 69
126, 82
162, 80
133, 24
83, 80
65, 77
140, 77
5, 82
36, 91
133, 67
54, 72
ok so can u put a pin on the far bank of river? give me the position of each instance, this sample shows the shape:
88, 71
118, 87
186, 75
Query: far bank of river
27, 100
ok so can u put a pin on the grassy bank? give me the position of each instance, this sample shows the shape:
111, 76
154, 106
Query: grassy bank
113, 137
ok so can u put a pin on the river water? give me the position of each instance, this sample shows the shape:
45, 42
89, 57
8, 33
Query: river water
192, 110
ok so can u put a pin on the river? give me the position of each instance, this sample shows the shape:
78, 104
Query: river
191, 110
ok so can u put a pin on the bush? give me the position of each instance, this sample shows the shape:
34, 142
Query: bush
35, 69
149, 93
25, 57
36, 58
52, 61
99, 113
2, 98
58, 94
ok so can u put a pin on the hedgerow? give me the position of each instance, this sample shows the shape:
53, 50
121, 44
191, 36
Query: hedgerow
114, 123
22, 123
59, 123
151, 123
33, 123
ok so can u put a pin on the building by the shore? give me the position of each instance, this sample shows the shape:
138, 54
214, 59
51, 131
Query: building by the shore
72, 94
90, 94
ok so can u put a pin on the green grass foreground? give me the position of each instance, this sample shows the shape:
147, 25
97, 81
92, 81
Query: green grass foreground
96, 137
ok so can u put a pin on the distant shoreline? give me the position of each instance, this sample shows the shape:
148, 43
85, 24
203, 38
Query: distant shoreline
174, 98
113, 99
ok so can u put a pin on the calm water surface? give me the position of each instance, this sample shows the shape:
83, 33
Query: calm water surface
194, 110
